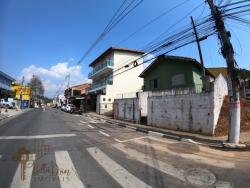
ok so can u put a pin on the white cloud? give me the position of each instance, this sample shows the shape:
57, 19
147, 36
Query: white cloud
54, 76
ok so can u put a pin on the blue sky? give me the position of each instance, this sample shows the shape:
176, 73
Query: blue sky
47, 37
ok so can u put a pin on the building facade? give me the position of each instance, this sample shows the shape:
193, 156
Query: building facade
111, 78
5, 85
173, 72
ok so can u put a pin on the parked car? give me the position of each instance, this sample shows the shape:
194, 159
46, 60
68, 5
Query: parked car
70, 108
7, 103
63, 107
76, 111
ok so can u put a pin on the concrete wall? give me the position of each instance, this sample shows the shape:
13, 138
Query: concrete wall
104, 104
190, 112
127, 109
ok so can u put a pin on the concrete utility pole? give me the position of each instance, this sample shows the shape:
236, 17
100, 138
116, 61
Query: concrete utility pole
233, 85
200, 54
21, 94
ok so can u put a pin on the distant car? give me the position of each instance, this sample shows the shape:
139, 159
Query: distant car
70, 108
63, 107
7, 103
76, 111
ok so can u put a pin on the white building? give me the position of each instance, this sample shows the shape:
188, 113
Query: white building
110, 77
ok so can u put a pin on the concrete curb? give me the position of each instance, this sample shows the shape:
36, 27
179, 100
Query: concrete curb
152, 132
183, 138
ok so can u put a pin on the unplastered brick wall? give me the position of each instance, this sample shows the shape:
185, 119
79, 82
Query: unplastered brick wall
190, 112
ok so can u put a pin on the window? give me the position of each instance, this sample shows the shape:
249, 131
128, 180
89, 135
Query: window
154, 84
105, 106
178, 79
109, 100
104, 99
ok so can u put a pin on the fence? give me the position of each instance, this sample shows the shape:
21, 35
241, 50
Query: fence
187, 109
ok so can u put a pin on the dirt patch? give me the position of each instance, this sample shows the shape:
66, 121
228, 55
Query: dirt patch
223, 122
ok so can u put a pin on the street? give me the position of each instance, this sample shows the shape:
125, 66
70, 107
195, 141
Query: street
68, 150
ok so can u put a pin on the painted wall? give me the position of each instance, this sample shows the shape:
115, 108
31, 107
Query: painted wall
171, 73
127, 109
191, 112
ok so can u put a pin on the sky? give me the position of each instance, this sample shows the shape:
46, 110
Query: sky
48, 37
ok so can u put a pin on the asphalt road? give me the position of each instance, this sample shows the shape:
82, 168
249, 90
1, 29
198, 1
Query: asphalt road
55, 149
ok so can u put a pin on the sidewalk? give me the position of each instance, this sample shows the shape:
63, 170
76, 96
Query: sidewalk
177, 135
10, 113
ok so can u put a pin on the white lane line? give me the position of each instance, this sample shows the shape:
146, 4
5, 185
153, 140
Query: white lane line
105, 134
36, 136
117, 140
92, 121
19, 180
83, 121
128, 140
71, 177
120, 174
154, 163
202, 148
196, 158
90, 126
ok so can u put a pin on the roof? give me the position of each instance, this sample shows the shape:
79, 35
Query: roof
215, 71
6, 76
112, 49
168, 57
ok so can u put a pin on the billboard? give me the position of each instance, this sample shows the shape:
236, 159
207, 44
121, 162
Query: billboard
24, 91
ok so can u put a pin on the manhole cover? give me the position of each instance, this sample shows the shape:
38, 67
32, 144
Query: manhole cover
200, 177
187, 148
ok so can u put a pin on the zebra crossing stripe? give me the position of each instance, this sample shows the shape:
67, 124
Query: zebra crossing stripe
116, 171
20, 182
68, 177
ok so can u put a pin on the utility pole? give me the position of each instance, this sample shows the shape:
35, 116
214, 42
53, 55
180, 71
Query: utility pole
21, 94
200, 54
233, 84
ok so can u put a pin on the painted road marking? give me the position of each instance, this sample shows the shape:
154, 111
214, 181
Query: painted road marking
157, 164
36, 136
128, 140
90, 126
163, 167
83, 121
118, 173
17, 181
202, 148
196, 158
104, 133
70, 177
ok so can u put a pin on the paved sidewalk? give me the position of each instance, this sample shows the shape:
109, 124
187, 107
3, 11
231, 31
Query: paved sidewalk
177, 135
10, 113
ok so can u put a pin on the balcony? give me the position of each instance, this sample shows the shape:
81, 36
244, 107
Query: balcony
102, 68
100, 85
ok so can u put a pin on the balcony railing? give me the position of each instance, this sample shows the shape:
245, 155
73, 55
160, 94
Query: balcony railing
100, 67
100, 84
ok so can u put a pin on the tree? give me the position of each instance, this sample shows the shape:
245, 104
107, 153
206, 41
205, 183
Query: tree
36, 90
244, 76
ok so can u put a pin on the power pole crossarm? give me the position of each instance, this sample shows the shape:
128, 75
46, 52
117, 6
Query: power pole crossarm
228, 54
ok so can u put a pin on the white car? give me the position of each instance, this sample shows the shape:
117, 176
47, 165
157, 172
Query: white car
70, 108
63, 107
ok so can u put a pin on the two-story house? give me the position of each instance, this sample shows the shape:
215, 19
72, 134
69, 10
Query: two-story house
110, 78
